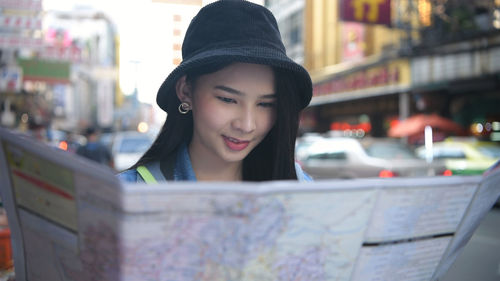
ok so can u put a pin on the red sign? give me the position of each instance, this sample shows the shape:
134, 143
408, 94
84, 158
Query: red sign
377, 77
17, 41
20, 22
367, 11
60, 53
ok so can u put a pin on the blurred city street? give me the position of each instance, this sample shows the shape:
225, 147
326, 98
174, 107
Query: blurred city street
400, 88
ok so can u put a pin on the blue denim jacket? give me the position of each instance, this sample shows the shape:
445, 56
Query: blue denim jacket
183, 171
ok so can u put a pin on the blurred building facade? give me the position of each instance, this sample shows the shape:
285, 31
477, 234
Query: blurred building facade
65, 68
290, 17
60, 68
360, 79
20, 27
90, 98
181, 12
376, 62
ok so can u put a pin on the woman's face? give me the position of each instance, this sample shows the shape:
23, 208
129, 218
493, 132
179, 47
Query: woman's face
233, 110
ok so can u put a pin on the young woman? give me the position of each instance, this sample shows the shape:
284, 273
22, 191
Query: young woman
233, 103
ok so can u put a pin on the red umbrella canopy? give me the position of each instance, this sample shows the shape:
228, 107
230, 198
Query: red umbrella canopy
416, 125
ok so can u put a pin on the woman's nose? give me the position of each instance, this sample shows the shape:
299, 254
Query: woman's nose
245, 121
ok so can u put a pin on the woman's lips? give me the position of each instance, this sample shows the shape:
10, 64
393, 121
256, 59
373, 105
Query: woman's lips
235, 144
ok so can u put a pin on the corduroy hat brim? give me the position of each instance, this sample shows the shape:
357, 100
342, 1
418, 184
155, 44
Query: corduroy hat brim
166, 93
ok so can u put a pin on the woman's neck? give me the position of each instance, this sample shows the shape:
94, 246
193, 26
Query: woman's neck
207, 168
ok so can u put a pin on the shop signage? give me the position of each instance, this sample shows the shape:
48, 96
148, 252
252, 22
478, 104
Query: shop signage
34, 5
17, 17
20, 22
366, 11
16, 41
383, 75
10, 79
46, 71
71, 53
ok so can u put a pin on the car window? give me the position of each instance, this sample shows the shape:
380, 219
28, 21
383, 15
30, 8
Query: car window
490, 151
339, 155
389, 151
448, 153
301, 148
133, 145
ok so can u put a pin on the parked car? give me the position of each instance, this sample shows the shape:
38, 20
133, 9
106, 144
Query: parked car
464, 156
303, 143
360, 158
127, 147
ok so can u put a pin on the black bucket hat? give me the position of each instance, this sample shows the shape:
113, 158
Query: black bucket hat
233, 31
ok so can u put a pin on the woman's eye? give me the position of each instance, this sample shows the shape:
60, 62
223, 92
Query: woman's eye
226, 100
268, 104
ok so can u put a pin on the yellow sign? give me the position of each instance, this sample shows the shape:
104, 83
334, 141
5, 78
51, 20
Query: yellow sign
369, 11
373, 10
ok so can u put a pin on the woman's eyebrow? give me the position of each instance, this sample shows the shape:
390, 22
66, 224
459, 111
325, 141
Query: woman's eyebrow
240, 93
229, 90
269, 96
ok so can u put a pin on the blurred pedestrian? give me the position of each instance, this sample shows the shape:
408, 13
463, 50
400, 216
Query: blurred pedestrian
37, 130
233, 103
95, 150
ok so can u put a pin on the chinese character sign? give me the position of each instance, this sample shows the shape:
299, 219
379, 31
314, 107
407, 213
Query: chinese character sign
367, 11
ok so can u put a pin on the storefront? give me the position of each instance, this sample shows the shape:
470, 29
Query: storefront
366, 97
458, 81
43, 94
461, 82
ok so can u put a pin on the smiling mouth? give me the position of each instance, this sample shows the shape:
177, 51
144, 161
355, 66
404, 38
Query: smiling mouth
235, 144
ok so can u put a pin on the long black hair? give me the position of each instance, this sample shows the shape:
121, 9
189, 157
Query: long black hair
272, 159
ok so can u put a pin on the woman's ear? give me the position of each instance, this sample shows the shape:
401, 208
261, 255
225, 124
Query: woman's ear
183, 90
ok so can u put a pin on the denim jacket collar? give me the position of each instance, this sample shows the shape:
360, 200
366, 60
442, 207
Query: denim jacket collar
183, 170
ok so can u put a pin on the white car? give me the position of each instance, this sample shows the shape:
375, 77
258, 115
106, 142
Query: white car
128, 147
354, 158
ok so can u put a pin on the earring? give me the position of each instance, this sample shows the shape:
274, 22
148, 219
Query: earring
184, 108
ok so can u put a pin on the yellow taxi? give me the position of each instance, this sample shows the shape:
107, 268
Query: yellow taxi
464, 156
